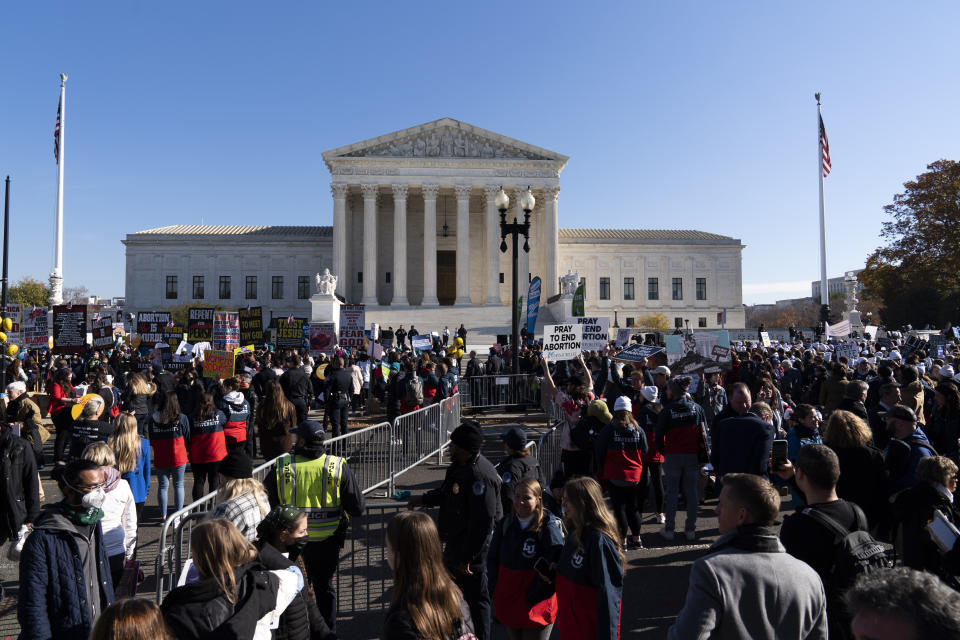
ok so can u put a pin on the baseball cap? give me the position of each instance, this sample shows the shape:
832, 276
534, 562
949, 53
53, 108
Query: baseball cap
901, 412
661, 371
309, 430
515, 438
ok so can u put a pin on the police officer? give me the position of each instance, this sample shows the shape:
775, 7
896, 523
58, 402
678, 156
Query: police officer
518, 464
469, 501
324, 487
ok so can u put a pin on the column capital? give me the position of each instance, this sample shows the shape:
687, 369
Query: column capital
339, 189
463, 191
491, 190
552, 192
370, 190
400, 191
430, 191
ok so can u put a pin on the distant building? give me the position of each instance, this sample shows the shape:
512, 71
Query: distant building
834, 285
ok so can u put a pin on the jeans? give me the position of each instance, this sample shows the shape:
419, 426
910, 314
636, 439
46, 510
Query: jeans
626, 505
681, 468
63, 423
652, 479
163, 483
205, 473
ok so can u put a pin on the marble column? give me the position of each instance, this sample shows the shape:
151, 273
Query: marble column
492, 257
523, 261
339, 266
552, 239
369, 243
400, 244
430, 244
463, 244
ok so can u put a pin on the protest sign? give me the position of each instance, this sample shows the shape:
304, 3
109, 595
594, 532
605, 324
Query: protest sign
870, 332
533, 304
851, 351
218, 364
765, 338
102, 332
637, 352
200, 324
69, 328
35, 331
596, 332
623, 336
150, 325
562, 341
693, 352
251, 325
838, 330
935, 341
352, 322
376, 350
14, 336
226, 330
289, 332
578, 298
421, 343
172, 337
323, 337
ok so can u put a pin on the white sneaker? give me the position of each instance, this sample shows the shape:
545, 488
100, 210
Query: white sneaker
661, 518
691, 535
666, 535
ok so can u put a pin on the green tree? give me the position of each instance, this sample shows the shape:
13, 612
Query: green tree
916, 275
656, 321
29, 292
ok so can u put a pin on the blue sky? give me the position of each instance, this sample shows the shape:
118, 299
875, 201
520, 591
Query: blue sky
675, 115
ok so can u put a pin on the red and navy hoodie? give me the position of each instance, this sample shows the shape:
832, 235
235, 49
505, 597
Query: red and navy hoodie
169, 441
589, 588
207, 443
679, 426
236, 409
521, 598
620, 451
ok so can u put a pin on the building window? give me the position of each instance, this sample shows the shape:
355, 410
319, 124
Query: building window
360, 277
678, 323
388, 277
303, 287
197, 287
276, 287
501, 277
628, 288
629, 321
653, 289
251, 293
224, 287
702, 323
604, 288
701, 288
171, 287
678, 288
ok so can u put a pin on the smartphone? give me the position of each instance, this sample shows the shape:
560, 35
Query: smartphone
542, 567
779, 452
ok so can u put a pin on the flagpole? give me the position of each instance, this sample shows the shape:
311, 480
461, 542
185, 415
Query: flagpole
824, 294
56, 277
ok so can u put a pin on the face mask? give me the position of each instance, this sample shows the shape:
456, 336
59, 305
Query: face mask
298, 543
94, 499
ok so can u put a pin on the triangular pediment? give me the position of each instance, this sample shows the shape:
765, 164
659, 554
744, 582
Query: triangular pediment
445, 139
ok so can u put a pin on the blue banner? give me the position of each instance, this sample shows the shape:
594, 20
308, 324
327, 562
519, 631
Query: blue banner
533, 304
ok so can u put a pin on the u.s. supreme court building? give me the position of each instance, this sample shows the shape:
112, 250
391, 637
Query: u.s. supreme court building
416, 238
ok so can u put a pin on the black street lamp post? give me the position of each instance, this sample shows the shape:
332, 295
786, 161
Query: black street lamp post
515, 229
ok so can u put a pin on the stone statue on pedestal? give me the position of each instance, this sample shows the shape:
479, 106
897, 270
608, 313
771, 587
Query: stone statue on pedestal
569, 283
326, 283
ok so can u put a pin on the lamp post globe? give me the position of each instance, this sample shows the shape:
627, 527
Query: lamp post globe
501, 201
527, 201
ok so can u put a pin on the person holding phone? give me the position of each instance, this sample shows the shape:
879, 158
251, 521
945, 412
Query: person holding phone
521, 563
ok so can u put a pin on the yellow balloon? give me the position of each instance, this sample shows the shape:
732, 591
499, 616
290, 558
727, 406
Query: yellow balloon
3, 337
459, 353
7, 324
12, 349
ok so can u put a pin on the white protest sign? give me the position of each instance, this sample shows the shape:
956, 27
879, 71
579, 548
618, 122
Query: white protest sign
596, 332
562, 341
623, 336
421, 343
852, 352
765, 338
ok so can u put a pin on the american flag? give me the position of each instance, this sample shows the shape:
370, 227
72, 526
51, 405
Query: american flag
825, 149
56, 135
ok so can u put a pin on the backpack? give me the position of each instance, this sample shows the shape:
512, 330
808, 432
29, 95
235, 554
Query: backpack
414, 393
584, 433
856, 553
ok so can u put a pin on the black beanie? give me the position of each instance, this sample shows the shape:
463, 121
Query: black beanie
468, 436
237, 464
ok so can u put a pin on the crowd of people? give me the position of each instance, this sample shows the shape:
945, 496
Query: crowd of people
865, 448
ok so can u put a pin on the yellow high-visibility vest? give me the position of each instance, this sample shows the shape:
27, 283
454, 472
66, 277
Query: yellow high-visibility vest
314, 487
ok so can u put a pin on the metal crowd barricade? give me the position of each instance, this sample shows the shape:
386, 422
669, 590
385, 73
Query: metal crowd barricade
364, 578
548, 451
508, 390
367, 452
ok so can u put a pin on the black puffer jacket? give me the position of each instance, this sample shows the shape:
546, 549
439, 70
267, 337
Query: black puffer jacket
301, 620
201, 609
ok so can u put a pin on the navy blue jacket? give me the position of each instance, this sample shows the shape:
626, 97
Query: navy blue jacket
742, 445
53, 600
589, 588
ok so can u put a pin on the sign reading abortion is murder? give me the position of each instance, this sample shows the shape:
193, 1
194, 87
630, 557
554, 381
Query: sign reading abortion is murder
562, 341
596, 332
